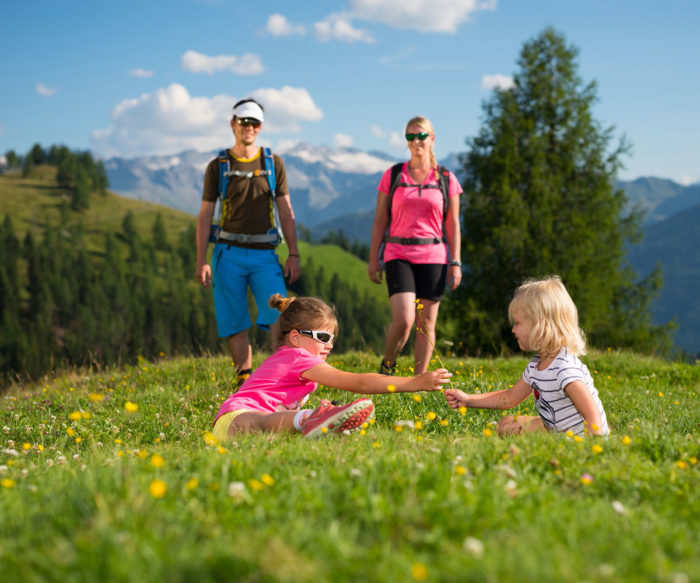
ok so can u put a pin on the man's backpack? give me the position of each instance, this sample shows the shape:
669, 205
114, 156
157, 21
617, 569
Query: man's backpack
274, 235
443, 185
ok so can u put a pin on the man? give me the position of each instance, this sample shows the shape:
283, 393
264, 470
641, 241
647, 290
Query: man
244, 253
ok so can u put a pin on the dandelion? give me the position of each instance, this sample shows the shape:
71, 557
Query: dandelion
417, 398
578, 438
418, 425
444, 422
682, 465
78, 439
26, 446
391, 388
256, 484
191, 484
131, 407
97, 397
70, 431
597, 448
460, 470
209, 438
158, 488
142, 453
488, 432
267, 479
462, 411
431, 415
586, 479
661, 394
418, 570
157, 460
75, 416
626, 440
7, 483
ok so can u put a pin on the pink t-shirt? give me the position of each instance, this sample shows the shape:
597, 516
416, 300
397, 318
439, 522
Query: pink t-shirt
417, 213
276, 385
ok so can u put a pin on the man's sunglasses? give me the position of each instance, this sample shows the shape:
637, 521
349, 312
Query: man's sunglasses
248, 121
421, 136
323, 337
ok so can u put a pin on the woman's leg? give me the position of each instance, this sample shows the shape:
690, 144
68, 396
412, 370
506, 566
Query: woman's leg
515, 424
403, 310
252, 421
426, 320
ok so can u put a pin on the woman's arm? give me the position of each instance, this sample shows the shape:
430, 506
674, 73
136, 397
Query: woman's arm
373, 383
454, 240
381, 218
504, 399
584, 403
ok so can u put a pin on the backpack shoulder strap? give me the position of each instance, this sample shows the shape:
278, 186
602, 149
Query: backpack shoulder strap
444, 182
395, 180
224, 168
270, 167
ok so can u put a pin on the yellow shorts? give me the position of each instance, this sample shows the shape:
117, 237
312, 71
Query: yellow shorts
223, 423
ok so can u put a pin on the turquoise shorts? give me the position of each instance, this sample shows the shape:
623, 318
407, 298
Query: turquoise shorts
234, 270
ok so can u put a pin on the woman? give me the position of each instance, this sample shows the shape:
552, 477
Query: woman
421, 218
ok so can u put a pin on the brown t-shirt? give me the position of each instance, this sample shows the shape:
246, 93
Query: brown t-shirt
247, 206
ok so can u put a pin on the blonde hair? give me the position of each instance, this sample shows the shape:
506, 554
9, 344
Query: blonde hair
305, 313
548, 308
425, 124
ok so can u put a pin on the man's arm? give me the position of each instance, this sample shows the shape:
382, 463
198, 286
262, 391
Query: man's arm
292, 267
203, 270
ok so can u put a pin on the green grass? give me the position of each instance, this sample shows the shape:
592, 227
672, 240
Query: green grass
445, 502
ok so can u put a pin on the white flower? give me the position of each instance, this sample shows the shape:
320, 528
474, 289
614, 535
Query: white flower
474, 547
619, 507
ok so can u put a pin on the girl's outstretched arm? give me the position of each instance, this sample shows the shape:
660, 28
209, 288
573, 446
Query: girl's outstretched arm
504, 399
373, 383
584, 403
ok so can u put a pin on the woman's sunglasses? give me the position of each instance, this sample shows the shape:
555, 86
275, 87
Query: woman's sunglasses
248, 121
323, 337
421, 136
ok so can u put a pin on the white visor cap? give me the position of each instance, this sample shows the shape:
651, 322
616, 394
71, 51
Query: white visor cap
249, 109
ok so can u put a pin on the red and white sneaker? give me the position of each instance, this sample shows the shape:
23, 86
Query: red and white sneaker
328, 418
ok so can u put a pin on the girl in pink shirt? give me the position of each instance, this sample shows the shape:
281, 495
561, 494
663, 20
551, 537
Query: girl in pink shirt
272, 397
417, 261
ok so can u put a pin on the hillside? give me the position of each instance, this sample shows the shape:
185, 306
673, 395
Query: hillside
673, 242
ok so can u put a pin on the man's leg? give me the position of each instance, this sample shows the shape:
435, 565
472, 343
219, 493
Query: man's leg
241, 352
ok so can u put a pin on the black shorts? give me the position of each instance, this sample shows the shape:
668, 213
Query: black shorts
426, 280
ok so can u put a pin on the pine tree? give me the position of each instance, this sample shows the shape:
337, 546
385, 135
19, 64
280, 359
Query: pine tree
541, 199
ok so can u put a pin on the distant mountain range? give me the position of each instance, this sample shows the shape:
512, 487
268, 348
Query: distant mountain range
335, 189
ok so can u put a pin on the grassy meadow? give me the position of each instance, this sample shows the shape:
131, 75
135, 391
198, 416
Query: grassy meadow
112, 475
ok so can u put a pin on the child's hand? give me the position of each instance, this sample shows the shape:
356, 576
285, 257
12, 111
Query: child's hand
455, 398
434, 379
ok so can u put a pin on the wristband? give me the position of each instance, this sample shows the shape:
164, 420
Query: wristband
457, 263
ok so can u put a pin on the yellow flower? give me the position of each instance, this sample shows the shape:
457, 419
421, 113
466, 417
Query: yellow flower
191, 484
419, 307
487, 432
462, 411
158, 488
70, 431
597, 448
391, 388
682, 465
256, 484
131, 407
7, 483
417, 398
586, 479
157, 460
693, 460
75, 416
419, 425
26, 446
97, 397
626, 440
460, 470
444, 422
661, 394
78, 439
375, 444
431, 415
578, 438
419, 571
209, 438
117, 441
569, 433
267, 479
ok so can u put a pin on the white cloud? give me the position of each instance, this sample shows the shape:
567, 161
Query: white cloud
247, 64
45, 91
686, 180
376, 131
423, 15
278, 25
142, 73
338, 27
342, 141
501, 82
170, 120
397, 141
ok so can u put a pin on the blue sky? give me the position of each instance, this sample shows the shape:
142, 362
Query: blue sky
140, 77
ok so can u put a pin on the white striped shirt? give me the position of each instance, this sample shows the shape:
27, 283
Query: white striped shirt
555, 407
